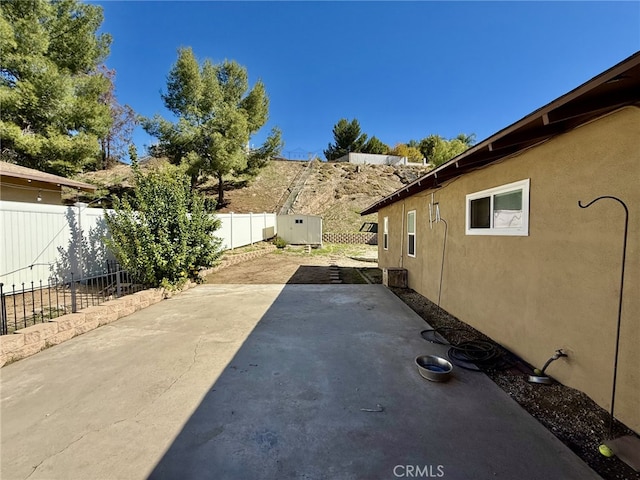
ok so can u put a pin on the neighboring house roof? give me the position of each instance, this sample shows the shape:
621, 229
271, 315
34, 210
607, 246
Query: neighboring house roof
615, 88
17, 171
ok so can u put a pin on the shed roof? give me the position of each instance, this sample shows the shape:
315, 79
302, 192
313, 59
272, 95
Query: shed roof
17, 171
616, 87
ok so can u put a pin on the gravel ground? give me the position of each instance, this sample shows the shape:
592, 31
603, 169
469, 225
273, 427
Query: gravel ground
569, 414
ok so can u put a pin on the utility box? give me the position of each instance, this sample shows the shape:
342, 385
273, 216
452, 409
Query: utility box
395, 277
300, 229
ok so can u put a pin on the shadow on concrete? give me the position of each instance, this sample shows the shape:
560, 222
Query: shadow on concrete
306, 274
321, 275
325, 387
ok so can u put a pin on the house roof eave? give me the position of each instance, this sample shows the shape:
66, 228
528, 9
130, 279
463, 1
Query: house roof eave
17, 171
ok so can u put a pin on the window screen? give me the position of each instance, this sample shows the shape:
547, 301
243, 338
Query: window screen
507, 209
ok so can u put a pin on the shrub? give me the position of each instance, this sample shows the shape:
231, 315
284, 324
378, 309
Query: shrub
279, 242
163, 234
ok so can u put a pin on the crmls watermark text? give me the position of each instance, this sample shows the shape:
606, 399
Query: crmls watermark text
418, 471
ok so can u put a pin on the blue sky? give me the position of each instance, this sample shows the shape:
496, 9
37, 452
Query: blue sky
403, 69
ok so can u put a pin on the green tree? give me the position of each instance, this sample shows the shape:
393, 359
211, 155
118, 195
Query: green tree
164, 233
347, 138
375, 145
438, 150
52, 116
403, 150
468, 140
217, 115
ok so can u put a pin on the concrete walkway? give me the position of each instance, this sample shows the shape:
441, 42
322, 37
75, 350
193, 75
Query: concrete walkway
264, 382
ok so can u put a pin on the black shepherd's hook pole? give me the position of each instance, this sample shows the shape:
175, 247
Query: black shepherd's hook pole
624, 255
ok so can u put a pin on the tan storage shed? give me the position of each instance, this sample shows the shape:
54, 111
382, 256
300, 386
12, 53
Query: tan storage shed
300, 229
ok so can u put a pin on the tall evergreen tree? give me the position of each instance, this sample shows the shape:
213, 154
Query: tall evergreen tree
347, 138
52, 116
217, 115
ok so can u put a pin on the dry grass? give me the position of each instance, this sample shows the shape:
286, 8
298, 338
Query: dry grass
263, 193
340, 191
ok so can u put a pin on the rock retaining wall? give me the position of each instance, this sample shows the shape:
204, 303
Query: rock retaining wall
28, 341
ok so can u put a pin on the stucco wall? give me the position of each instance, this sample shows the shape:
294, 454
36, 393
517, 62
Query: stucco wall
559, 286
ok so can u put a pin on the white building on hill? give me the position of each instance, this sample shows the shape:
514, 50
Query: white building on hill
375, 159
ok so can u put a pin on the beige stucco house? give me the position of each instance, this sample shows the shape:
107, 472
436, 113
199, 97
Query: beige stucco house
22, 184
523, 263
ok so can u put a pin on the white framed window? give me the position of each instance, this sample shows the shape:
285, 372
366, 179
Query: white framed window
411, 233
385, 233
502, 210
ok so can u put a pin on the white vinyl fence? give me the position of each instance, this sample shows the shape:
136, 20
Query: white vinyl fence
37, 241
240, 229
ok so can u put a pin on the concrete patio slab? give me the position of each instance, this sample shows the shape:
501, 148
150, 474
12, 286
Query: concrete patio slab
264, 381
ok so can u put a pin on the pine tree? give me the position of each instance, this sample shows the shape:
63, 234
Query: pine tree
50, 89
217, 115
347, 138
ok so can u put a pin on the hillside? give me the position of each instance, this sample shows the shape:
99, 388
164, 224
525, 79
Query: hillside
264, 193
335, 191
340, 191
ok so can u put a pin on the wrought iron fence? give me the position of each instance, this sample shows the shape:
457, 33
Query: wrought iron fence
39, 301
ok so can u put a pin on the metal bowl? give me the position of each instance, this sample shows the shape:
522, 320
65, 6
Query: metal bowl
434, 368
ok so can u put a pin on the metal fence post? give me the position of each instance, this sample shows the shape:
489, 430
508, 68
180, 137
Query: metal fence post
74, 307
41, 302
118, 284
3, 311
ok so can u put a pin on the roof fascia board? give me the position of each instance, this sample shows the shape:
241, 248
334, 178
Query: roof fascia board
60, 181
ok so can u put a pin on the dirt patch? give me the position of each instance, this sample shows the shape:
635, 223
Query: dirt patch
292, 267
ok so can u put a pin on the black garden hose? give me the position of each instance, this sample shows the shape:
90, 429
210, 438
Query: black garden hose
476, 354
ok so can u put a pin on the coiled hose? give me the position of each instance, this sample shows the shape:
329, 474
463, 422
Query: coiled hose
475, 354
